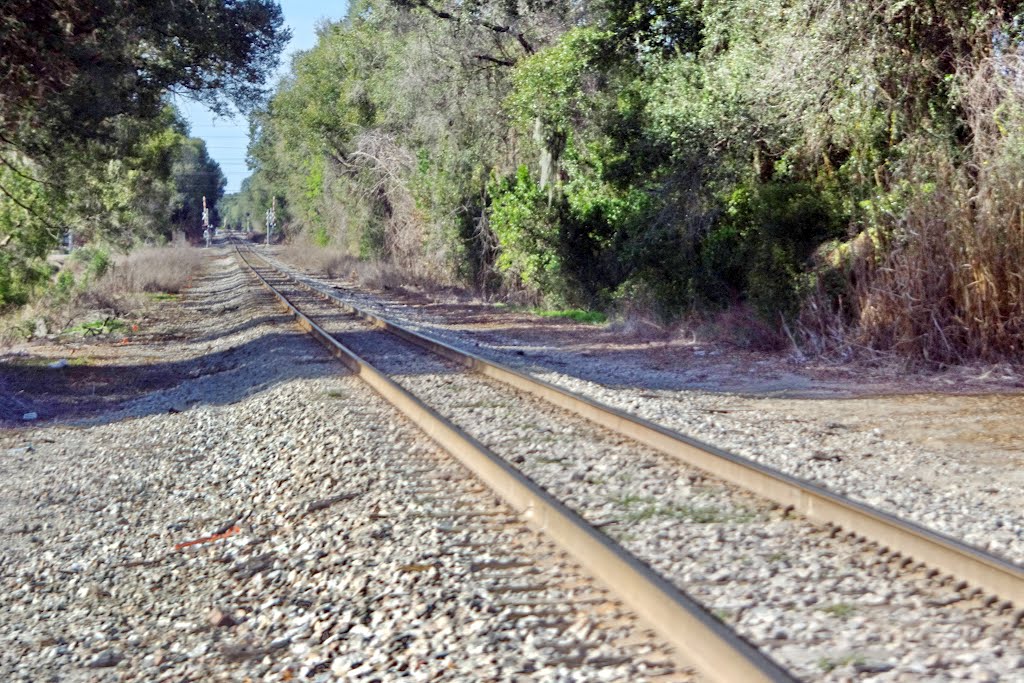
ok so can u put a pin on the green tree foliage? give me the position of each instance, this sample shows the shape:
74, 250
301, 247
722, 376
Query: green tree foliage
88, 143
786, 155
71, 68
195, 176
384, 136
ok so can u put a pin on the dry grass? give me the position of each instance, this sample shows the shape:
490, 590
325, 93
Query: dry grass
120, 291
375, 274
320, 260
148, 270
942, 280
165, 269
950, 288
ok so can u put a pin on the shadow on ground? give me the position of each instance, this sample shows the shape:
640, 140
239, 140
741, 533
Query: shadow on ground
100, 393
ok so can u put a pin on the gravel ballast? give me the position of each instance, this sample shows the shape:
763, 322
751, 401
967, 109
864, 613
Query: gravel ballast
957, 489
270, 518
828, 608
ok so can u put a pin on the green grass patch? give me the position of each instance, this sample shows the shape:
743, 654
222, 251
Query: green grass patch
99, 327
577, 314
481, 404
41, 362
828, 664
639, 508
840, 609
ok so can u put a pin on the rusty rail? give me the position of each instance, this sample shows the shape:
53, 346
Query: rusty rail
992, 574
700, 639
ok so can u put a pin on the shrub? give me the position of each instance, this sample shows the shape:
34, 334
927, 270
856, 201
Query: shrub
527, 230
760, 250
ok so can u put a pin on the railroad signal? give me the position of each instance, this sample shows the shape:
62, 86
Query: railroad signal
206, 222
271, 219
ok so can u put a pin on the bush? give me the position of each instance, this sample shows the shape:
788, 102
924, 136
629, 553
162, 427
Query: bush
119, 290
20, 279
99, 263
760, 250
527, 232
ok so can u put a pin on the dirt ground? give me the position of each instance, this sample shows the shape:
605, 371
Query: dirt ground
102, 372
978, 407
975, 407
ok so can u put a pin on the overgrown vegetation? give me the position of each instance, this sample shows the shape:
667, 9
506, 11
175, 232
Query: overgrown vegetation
94, 291
847, 177
849, 173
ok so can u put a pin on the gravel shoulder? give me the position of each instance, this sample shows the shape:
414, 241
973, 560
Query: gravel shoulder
260, 514
943, 449
827, 608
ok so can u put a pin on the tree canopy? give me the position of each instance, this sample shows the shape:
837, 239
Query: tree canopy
71, 67
849, 174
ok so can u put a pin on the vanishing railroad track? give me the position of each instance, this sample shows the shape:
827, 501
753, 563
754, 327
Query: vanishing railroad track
992, 584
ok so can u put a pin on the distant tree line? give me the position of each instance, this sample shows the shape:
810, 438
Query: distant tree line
849, 172
89, 142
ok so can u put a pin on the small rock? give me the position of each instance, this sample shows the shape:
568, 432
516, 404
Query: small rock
945, 600
219, 618
822, 456
872, 667
280, 643
28, 417
57, 365
105, 659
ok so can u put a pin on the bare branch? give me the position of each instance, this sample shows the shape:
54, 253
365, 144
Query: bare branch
494, 60
483, 23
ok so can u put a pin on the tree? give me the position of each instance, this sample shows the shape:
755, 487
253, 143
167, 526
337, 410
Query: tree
196, 176
793, 156
86, 140
71, 67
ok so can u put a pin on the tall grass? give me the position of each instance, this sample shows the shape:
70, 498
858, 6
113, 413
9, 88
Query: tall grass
374, 273
93, 284
941, 281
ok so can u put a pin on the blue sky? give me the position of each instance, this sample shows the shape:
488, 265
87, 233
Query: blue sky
226, 139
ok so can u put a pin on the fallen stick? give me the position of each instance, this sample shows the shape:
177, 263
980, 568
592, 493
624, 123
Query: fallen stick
324, 503
209, 539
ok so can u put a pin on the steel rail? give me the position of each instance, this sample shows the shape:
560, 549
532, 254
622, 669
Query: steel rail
992, 574
704, 642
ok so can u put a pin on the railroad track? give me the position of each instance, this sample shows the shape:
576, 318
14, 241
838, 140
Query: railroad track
703, 640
